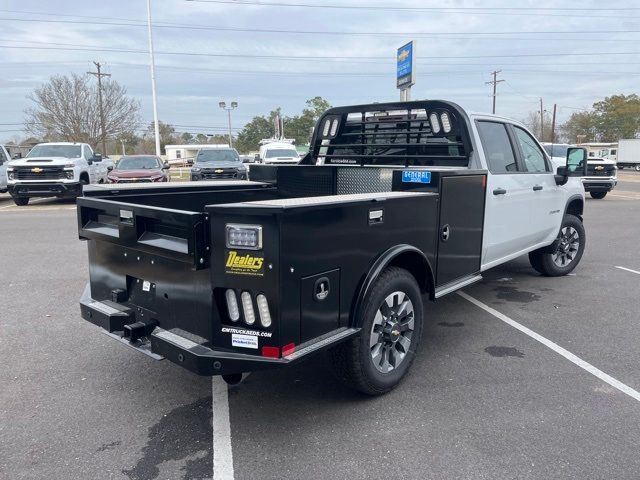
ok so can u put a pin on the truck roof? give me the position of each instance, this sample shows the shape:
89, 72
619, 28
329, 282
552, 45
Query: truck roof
63, 143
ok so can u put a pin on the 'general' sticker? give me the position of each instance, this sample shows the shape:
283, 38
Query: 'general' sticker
416, 176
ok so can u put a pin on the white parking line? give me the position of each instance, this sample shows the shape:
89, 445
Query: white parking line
556, 348
628, 270
222, 452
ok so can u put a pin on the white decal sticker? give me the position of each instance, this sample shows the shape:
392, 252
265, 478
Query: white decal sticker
242, 331
244, 341
146, 285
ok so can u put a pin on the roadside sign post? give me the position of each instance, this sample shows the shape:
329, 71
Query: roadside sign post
405, 70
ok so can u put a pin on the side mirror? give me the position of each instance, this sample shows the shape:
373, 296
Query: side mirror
165, 166
109, 168
97, 157
89, 161
575, 166
256, 157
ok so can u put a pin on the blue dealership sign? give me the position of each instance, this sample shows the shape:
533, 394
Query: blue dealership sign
405, 65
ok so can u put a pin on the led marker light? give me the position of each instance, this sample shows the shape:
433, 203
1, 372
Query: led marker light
244, 236
247, 308
435, 124
446, 123
232, 305
263, 310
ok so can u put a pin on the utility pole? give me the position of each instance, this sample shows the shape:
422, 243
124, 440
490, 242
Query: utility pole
553, 124
123, 150
495, 83
153, 80
541, 121
99, 74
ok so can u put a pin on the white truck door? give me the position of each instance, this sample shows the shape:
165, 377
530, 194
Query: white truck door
547, 207
507, 226
93, 169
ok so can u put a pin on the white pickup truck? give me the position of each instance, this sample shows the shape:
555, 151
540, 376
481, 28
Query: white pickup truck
602, 173
394, 205
55, 170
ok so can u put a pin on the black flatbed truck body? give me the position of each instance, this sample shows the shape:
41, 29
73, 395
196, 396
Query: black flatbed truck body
160, 267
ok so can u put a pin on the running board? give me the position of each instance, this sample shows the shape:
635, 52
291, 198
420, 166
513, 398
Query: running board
452, 287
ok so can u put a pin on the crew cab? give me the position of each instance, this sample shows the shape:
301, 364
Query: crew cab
55, 170
602, 173
394, 206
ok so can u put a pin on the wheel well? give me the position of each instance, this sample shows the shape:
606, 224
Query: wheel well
575, 207
84, 176
417, 266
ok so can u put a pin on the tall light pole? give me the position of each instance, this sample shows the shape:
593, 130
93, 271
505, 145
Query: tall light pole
153, 80
233, 106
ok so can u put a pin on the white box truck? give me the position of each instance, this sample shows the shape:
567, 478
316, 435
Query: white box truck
629, 153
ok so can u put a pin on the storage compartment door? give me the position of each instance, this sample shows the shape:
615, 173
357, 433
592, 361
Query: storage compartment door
319, 304
461, 220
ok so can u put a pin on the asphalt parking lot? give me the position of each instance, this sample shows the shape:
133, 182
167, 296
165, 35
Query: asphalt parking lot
483, 399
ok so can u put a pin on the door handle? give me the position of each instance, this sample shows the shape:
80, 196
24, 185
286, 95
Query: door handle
537, 187
499, 191
445, 233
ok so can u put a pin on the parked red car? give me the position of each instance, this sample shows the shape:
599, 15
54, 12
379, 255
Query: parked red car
139, 168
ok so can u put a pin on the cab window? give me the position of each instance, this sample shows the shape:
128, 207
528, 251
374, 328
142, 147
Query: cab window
531, 153
497, 147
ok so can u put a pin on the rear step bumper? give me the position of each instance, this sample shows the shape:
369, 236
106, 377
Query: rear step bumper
185, 352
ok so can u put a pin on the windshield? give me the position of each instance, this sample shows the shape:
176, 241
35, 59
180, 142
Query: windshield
67, 151
557, 150
281, 152
138, 163
217, 155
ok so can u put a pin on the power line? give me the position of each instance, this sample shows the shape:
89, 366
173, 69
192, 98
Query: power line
310, 57
408, 9
137, 23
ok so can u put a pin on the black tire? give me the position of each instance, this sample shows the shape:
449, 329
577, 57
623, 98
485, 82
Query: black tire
598, 195
21, 201
353, 361
637, 167
550, 264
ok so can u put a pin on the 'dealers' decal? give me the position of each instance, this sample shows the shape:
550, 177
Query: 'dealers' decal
416, 176
239, 264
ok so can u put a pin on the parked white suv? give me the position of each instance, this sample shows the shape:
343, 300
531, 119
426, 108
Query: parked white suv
279, 153
55, 170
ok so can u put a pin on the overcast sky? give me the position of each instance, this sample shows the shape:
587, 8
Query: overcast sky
456, 51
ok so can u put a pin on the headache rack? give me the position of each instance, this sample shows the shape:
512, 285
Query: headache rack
419, 133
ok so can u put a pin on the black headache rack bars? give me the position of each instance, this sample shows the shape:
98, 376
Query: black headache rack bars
419, 133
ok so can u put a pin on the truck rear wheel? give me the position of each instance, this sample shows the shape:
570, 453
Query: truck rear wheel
570, 247
21, 201
378, 359
598, 195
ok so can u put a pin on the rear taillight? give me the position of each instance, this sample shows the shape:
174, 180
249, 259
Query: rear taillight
232, 305
263, 310
247, 308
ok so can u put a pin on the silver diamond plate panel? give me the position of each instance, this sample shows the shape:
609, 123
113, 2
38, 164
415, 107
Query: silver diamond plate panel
363, 180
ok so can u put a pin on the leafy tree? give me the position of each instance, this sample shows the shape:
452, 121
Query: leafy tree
168, 136
254, 131
186, 138
201, 138
617, 117
609, 120
66, 108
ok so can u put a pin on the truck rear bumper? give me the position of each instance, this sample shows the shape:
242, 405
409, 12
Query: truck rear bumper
175, 345
62, 190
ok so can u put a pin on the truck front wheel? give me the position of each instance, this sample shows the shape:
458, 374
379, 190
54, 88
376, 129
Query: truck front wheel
637, 167
377, 360
21, 201
598, 195
567, 253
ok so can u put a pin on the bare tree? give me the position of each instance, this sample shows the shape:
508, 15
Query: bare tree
532, 122
66, 109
